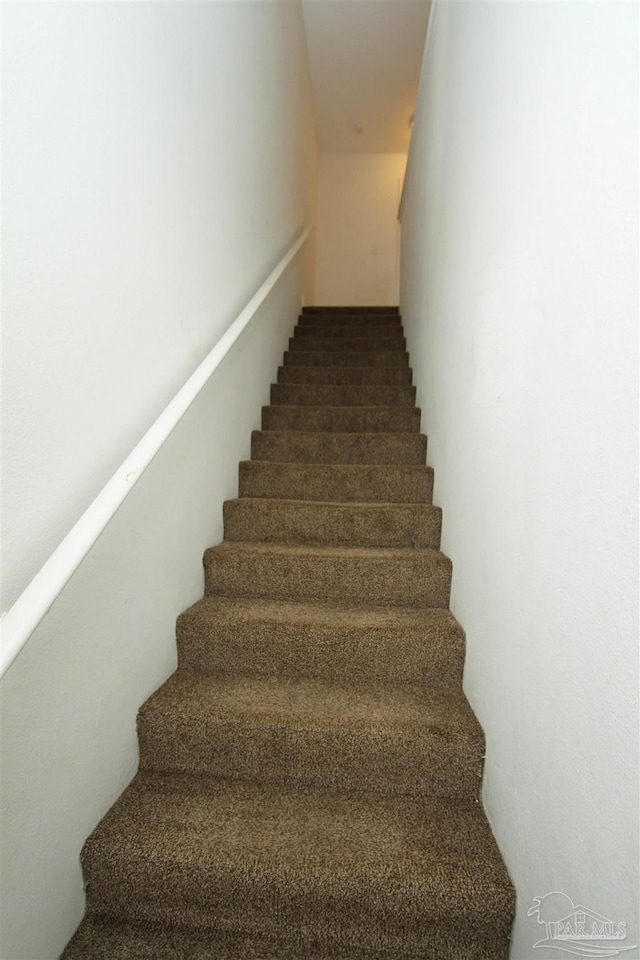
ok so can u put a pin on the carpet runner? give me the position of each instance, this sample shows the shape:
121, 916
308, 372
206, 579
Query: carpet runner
309, 777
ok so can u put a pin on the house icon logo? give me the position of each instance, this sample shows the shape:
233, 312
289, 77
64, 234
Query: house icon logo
576, 929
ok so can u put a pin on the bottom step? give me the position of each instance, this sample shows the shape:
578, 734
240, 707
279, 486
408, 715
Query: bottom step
107, 941
406, 880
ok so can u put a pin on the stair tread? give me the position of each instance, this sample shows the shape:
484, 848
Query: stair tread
346, 358
391, 554
344, 482
366, 859
318, 640
376, 321
345, 376
368, 434
347, 408
400, 576
408, 469
364, 330
322, 446
342, 317
353, 344
374, 738
329, 394
100, 940
365, 505
327, 615
347, 344
376, 310
282, 520
263, 700
325, 418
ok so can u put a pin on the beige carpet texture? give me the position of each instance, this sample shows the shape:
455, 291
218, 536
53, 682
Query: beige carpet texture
309, 780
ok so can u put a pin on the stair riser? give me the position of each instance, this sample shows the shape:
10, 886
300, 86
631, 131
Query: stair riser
341, 396
384, 324
148, 943
139, 941
413, 580
353, 344
399, 762
357, 331
292, 447
316, 650
346, 376
357, 525
344, 483
352, 358
342, 419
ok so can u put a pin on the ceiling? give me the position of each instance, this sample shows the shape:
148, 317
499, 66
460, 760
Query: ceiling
365, 58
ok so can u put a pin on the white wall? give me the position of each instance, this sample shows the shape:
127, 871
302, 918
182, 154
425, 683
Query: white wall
69, 701
358, 232
520, 298
159, 160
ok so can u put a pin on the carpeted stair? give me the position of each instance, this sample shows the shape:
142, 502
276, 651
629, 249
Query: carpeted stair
309, 777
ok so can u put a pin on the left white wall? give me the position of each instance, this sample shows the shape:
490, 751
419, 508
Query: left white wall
69, 701
159, 161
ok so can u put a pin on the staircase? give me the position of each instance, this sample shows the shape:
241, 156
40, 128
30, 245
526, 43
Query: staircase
309, 777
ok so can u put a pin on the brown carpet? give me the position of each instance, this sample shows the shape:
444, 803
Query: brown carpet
309, 777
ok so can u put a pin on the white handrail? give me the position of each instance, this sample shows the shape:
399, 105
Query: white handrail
37, 599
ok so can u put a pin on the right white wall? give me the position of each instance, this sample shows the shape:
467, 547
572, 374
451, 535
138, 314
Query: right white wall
519, 293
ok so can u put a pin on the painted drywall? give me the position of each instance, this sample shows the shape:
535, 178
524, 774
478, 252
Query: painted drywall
158, 161
520, 300
358, 231
69, 701
365, 66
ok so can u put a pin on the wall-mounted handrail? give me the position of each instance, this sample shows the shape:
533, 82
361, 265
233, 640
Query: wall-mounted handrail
33, 604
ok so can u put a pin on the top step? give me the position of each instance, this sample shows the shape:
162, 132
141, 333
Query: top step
352, 310
378, 321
